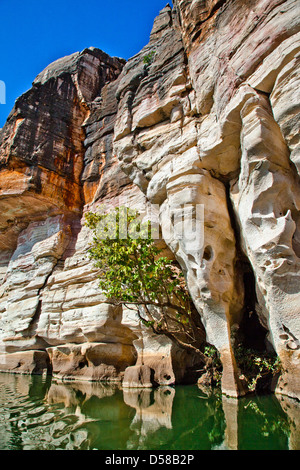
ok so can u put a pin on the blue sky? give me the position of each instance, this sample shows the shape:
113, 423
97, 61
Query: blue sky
34, 33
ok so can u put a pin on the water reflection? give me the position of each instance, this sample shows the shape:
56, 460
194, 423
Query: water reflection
40, 413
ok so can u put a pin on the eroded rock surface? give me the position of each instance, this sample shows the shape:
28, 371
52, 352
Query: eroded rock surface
217, 131
206, 115
50, 299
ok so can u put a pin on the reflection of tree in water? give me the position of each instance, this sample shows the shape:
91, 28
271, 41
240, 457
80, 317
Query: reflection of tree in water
175, 419
263, 425
44, 414
198, 420
164, 418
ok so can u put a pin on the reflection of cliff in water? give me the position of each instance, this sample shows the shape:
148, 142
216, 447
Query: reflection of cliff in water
45, 414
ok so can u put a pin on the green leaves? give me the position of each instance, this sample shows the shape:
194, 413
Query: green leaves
148, 58
132, 269
134, 272
255, 364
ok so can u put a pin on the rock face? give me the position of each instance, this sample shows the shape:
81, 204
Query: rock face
50, 169
205, 117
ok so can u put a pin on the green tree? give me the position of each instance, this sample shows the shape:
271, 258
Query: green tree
134, 273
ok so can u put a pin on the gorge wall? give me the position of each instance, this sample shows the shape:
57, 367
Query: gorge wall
207, 113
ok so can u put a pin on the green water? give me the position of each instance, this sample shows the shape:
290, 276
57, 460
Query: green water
42, 414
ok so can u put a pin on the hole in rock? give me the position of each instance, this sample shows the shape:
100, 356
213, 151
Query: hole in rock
82, 364
208, 253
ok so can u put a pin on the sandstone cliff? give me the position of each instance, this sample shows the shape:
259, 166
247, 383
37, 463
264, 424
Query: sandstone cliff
206, 114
